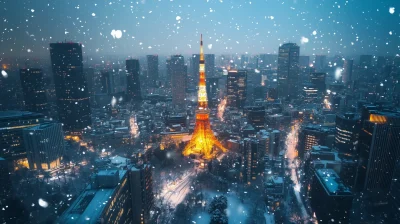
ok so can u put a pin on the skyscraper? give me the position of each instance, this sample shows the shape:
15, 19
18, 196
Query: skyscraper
330, 198
378, 151
212, 90
141, 188
44, 144
346, 134
5, 181
318, 79
34, 91
288, 70
365, 61
236, 88
71, 88
178, 79
256, 117
107, 199
133, 80
152, 69
250, 160
304, 61
311, 135
394, 194
106, 82
347, 73
12, 144
320, 61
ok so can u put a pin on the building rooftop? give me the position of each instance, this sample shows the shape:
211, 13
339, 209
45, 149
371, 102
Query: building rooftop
13, 114
331, 182
89, 205
40, 126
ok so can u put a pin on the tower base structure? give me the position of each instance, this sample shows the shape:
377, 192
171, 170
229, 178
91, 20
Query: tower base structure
203, 140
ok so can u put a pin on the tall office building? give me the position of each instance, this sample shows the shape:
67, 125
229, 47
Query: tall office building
236, 88
250, 160
331, 200
366, 61
380, 62
212, 90
304, 61
394, 194
106, 82
346, 134
320, 62
152, 69
141, 183
244, 61
107, 199
178, 79
318, 79
256, 117
288, 70
12, 144
5, 181
347, 73
44, 145
34, 91
10, 91
378, 151
311, 135
71, 88
133, 80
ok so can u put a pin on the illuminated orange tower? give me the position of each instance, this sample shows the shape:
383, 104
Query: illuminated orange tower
203, 139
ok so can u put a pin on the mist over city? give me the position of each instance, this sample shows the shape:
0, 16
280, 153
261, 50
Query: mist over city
200, 112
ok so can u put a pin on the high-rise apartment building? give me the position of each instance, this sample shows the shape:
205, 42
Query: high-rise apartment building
288, 71
44, 145
250, 160
152, 69
347, 73
236, 88
378, 150
34, 91
142, 197
133, 88
178, 79
71, 89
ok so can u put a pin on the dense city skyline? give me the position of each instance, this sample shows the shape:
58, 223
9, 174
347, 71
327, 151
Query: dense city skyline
118, 112
173, 27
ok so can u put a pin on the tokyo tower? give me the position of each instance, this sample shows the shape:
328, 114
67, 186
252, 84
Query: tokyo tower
203, 141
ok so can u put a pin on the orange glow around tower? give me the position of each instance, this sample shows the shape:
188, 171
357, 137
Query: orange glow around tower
203, 140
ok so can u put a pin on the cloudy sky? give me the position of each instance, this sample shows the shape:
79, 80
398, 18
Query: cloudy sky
167, 27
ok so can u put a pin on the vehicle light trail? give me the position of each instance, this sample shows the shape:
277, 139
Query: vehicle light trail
291, 155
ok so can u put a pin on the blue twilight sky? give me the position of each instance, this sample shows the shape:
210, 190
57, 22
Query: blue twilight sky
167, 27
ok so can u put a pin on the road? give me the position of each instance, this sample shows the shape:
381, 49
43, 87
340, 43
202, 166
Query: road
291, 157
174, 192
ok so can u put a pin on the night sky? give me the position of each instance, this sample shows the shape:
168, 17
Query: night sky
167, 27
